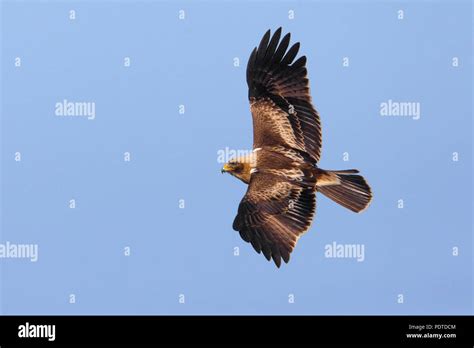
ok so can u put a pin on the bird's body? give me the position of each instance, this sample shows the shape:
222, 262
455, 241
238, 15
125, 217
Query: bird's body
281, 171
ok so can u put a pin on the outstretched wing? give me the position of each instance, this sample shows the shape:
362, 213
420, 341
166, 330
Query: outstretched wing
280, 99
273, 214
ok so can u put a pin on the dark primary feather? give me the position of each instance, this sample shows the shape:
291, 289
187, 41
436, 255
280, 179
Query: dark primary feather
274, 212
275, 78
272, 46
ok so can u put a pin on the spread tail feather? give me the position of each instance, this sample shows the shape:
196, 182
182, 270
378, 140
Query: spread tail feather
345, 187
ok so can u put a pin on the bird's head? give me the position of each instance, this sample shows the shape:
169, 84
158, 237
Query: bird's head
240, 170
233, 167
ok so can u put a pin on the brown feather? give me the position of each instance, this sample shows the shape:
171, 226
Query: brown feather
279, 204
280, 97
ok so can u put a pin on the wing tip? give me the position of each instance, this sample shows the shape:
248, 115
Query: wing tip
277, 261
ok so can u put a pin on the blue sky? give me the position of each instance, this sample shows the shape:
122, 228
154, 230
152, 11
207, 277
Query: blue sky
190, 251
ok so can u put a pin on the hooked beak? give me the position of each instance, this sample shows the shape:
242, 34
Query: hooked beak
225, 169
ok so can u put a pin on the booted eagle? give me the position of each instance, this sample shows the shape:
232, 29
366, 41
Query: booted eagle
281, 172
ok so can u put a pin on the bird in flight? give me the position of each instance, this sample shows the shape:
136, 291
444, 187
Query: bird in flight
281, 172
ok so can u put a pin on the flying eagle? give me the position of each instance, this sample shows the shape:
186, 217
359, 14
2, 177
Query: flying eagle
281, 172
